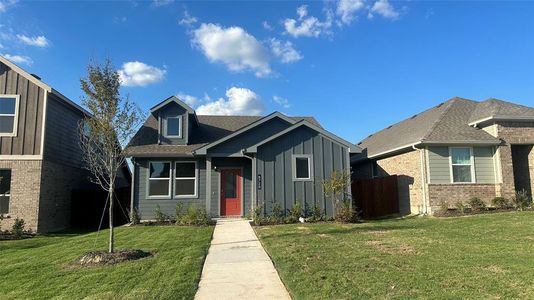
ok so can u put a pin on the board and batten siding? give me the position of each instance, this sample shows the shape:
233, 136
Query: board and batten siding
146, 206
274, 165
219, 163
173, 110
30, 114
440, 169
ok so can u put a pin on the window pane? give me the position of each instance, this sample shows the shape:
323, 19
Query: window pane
6, 124
230, 181
4, 204
185, 169
160, 170
461, 155
173, 126
301, 165
7, 105
185, 187
5, 182
158, 188
461, 173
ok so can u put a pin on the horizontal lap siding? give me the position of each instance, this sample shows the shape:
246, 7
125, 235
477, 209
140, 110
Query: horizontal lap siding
146, 206
30, 114
440, 169
274, 164
484, 164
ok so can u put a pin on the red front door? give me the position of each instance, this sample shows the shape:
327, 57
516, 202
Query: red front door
230, 192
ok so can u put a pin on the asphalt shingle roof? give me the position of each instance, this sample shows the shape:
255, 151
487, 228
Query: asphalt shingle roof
210, 129
446, 122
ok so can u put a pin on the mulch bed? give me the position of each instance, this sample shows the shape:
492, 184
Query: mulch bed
100, 258
7, 236
452, 212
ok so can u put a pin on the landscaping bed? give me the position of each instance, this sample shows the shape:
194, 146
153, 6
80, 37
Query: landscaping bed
480, 256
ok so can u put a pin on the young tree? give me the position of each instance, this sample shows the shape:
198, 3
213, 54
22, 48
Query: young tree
336, 188
104, 135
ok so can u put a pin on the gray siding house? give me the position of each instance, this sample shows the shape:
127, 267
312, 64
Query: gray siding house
40, 160
452, 152
230, 164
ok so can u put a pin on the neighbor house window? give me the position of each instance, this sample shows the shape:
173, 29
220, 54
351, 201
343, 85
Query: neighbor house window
302, 167
462, 164
159, 181
5, 191
185, 179
8, 114
174, 127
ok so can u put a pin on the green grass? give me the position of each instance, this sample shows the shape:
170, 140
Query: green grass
42, 267
483, 256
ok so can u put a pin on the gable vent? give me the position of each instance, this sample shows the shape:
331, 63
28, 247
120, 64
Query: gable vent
34, 75
413, 117
389, 126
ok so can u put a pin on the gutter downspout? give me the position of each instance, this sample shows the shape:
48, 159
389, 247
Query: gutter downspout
132, 190
423, 178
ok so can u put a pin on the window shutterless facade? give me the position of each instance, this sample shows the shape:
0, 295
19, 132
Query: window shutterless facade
462, 165
302, 167
185, 179
8, 114
5, 191
159, 179
173, 127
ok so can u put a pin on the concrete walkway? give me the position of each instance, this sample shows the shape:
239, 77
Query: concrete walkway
237, 267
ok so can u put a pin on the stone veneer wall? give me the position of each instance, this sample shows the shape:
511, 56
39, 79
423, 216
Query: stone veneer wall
452, 193
25, 190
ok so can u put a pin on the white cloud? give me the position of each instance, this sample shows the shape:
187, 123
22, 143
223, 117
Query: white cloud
19, 59
385, 9
234, 47
306, 25
158, 3
119, 19
5, 4
281, 101
187, 20
239, 101
346, 9
266, 25
188, 99
285, 51
37, 41
135, 73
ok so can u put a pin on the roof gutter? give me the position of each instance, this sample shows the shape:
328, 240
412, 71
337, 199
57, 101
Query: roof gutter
412, 145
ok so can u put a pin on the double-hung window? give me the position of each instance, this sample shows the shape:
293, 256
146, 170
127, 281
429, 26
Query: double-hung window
462, 165
302, 167
159, 181
185, 179
8, 114
174, 127
5, 191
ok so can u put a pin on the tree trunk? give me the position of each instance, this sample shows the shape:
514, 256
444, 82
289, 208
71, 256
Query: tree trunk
111, 218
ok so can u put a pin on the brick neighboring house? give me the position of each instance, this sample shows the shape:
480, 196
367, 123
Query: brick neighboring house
454, 151
40, 159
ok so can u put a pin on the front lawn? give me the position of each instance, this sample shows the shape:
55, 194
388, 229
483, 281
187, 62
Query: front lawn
483, 256
42, 267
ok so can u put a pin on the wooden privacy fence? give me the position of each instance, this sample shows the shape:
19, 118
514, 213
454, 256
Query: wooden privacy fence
376, 197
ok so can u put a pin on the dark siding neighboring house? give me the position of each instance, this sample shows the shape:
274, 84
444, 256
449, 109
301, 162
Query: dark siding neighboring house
40, 160
230, 164
452, 152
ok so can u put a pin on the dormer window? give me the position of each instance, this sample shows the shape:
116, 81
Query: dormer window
8, 114
173, 127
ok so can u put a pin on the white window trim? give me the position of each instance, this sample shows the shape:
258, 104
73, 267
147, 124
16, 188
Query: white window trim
179, 127
168, 196
472, 165
294, 166
195, 195
15, 115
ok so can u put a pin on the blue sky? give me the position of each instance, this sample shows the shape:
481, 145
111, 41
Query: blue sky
357, 66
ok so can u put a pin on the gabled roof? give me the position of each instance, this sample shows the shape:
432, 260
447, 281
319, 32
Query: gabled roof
446, 123
210, 129
174, 99
42, 85
304, 123
495, 109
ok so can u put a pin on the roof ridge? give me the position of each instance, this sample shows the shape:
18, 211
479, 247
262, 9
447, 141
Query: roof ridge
438, 120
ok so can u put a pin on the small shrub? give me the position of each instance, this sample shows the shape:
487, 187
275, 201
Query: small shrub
257, 213
159, 215
316, 214
443, 206
500, 202
195, 216
477, 204
295, 213
178, 211
277, 215
18, 227
460, 206
522, 200
345, 213
135, 217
